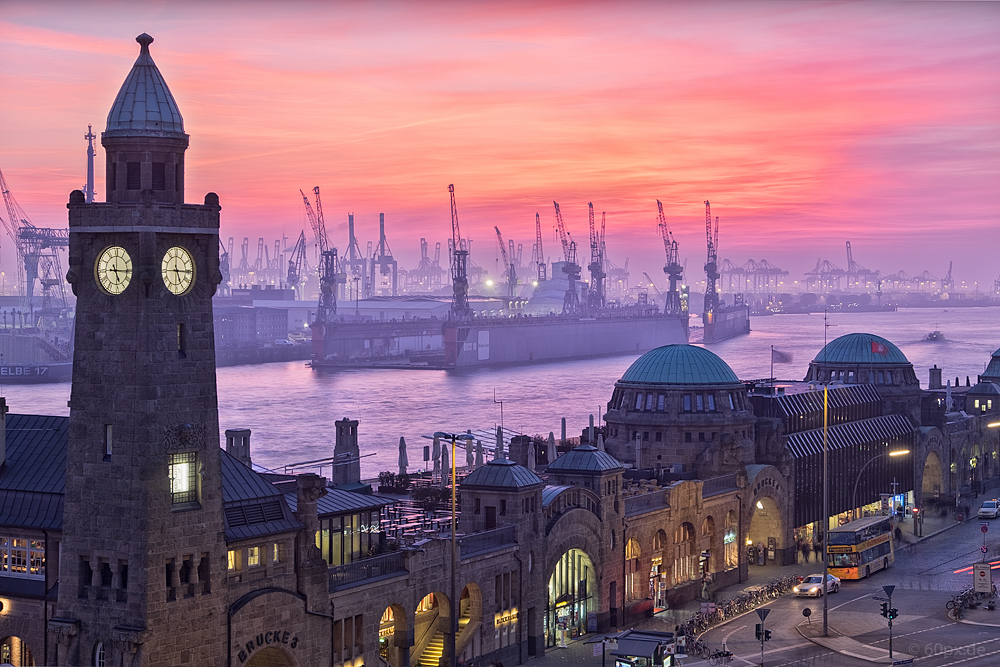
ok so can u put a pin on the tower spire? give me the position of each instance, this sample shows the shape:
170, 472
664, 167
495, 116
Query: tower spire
89, 190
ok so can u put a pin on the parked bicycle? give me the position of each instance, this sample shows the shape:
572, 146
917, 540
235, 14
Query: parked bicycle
720, 657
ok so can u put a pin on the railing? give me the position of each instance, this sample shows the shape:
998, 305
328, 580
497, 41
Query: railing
489, 540
646, 502
368, 568
717, 485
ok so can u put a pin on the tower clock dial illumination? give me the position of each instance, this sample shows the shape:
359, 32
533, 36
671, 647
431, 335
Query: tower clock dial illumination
178, 270
113, 270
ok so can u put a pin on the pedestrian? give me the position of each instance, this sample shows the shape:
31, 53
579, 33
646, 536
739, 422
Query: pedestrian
802, 551
807, 550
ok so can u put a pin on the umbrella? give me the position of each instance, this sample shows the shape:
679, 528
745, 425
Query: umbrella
600, 442
403, 461
469, 455
553, 452
436, 455
479, 453
444, 467
531, 456
499, 449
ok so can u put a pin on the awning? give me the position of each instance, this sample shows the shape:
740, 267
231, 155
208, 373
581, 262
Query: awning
635, 648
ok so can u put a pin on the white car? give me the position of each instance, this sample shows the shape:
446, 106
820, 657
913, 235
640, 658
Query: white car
812, 586
989, 509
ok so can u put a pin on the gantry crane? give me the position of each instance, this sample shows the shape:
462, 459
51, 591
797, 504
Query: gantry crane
225, 257
296, 262
37, 257
329, 276
711, 266
672, 268
596, 295
383, 258
508, 266
539, 255
571, 302
460, 309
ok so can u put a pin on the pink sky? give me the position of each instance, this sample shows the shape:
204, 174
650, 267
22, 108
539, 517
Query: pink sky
805, 123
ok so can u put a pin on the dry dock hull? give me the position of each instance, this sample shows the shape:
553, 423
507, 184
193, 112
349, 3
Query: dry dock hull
35, 373
497, 343
727, 323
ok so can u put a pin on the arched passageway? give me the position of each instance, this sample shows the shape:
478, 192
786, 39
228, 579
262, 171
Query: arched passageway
14, 651
686, 555
731, 541
633, 570
658, 573
392, 630
470, 618
933, 482
269, 657
430, 624
572, 597
765, 532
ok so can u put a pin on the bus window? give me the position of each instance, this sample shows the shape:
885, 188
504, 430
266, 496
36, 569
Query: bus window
844, 560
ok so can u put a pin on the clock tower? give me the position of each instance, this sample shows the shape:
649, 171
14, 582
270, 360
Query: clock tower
143, 557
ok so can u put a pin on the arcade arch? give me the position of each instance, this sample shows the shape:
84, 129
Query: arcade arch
633, 555
686, 554
392, 627
470, 619
708, 544
572, 596
765, 529
431, 620
269, 657
15, 651
933, 481
731, 541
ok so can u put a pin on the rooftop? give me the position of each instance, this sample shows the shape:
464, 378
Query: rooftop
144, 105
680, 365
501, 473
585, 459
861, 348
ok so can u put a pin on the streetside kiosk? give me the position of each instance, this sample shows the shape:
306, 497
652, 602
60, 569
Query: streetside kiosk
644, 648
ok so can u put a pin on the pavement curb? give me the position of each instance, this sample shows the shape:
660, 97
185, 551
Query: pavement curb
831, 643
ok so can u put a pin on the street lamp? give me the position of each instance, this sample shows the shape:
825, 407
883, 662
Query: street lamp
854, 496
451, 602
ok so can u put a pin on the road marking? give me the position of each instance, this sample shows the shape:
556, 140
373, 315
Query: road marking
867, 595
915, 632
726, 638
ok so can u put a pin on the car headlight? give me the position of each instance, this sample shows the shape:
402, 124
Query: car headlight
814, 589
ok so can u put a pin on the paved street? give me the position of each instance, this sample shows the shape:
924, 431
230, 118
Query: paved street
924, 579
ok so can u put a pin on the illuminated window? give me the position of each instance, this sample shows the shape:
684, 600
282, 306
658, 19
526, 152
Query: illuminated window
234, 561
253, 556
276, 558
183, 487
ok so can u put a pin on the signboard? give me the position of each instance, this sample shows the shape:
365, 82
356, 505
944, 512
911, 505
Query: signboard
984, 527
592, 622
983, 577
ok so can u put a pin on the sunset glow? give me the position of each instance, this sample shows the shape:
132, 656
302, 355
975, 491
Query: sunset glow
805, 124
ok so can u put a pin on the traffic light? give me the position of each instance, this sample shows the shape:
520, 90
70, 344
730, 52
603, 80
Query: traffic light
885, 609
757, 635
767, 635
893, 613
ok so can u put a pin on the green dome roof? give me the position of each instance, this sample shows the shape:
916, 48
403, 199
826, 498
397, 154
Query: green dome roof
680, 364
861, 348
501, 474
585, 459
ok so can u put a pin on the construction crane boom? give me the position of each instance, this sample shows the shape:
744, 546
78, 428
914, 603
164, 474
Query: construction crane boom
571, 301
596, 296
508, 266
711, 266
296, 262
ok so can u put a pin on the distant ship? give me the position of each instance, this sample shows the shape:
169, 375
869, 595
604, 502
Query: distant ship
935, 336
30, 358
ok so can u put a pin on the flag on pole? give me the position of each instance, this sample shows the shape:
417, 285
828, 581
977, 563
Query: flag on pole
879, 348
778, 357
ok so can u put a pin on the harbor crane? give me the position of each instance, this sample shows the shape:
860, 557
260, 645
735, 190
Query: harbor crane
596, 293
508, 266
354, 261
383, 258
571, 302
460, 309
857, 274
673, 269
656, 289
948, 283
296, 262
711, 266
244, 266
539, 254
37, 257
329, 276
225, 257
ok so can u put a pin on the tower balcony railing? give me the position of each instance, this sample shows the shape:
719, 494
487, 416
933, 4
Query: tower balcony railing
343, 576
486, 541
715, 486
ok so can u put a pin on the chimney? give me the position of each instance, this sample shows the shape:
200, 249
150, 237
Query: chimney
935, 381
238, 444
347, 463
3, 431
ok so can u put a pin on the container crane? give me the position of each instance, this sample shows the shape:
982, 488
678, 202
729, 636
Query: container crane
296, 262
673, 269
711, 266
508, 266
948, 283
225, 257
460, 309
571, 302
383, 258
244, 266
37, 256
596, 295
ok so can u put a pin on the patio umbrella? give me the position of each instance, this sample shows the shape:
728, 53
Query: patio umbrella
553, 453
403, 461
444, 467
498, 454
600, 442
531, 456
436, 455
469, 455
479, 453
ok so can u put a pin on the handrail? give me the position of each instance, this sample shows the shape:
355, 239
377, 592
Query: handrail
488, 540
367, 568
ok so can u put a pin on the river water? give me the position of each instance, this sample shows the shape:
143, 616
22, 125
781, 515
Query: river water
291, 409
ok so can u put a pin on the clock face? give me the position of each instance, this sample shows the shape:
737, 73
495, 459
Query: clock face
178, 270
113, 270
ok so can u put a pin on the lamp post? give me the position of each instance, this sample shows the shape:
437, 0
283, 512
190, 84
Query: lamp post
452, 607
854, 496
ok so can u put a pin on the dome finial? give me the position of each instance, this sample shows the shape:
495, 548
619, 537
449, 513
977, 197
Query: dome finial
144, 40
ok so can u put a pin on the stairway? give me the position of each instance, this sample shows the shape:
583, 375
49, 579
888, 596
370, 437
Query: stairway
431, 657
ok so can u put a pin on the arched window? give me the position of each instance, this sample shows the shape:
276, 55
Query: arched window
632, 556
100, 659
685, 554
731, 541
